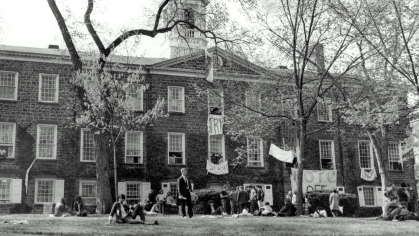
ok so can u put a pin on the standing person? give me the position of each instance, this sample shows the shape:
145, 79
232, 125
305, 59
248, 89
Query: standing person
403, 195
184, 188
242, 199
247, 189
294, 199
233, 200
253, 200
412, 198
224, 197
161, 201
260, 196
334, 203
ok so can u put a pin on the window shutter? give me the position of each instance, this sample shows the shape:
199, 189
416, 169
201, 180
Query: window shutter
378, 196
166, 188
361, 196
17, 191
145, 189
59, 190
122, 188
329, 109
268, 194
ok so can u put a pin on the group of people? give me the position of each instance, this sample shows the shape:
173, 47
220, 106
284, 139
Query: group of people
60, 209
400, 203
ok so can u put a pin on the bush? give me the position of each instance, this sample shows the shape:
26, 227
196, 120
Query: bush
349, 202
369, 212
22, 208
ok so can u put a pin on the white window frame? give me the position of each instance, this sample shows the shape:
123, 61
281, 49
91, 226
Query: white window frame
16, 83
259, 97
183, 99
371, 154
82, 146
140, 188
13, 138
400, 155
328, 112
333, 152
223, 145
220, 93
260, 151
127, 97
38, 133
10, 190
56, 88
36, 191
81, 190
183, 147
141, 147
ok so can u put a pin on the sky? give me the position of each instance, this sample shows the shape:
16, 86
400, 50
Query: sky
30, 23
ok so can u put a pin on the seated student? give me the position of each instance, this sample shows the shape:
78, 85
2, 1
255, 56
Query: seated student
79, 207
390, 206
60, 209
319, 212
161, 201
266, 209
245, 212
170, 201
209, 210
396, 211
124, 215
287, 210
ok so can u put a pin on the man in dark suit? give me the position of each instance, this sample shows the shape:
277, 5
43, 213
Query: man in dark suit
184, 188
241, 199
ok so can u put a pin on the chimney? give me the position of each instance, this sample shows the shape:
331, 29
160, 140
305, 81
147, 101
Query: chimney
51, 46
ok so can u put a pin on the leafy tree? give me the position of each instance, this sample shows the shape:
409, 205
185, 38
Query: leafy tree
171, 10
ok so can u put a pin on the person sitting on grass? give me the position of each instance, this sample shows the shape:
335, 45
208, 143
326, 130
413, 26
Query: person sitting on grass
60, 209
210, 210
396, 211
124, 215
287, 210
79, 207
266, 209
245, 212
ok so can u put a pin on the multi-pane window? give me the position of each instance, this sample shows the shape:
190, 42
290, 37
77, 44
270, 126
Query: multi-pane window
88, 192
134, 147
45, 191
87, 146
134, 96
176, 99
174, 190
216, 148
133, 193
176, 142
253, 101
215, 102
326, 154
5, 185
47, 141
324, 112
255, 152
48, 88
369, 196
7, 140
8, 85
394, 156
365, 154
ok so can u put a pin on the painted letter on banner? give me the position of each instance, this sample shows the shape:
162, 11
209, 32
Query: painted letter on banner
215, 124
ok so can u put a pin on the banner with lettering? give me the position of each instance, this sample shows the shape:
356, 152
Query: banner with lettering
215, 124
217, 169
314, 180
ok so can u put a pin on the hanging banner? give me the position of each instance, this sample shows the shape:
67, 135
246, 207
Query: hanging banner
278, 153
215, 124
217, 169
314, 180
369, 175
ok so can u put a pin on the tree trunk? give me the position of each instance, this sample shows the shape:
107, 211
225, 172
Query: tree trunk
301, 161
115, 167
102, 174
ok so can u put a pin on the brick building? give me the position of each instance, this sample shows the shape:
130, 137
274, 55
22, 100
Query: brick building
35, 92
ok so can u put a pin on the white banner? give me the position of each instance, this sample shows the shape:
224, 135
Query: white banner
217, 169
215, 124
314, 180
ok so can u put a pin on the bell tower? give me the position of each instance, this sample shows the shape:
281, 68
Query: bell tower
184, 39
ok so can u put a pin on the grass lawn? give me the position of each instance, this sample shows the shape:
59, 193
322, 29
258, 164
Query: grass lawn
175, 225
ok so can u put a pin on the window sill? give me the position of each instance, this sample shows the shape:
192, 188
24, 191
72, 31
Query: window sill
6, 100
88, 162
256, 167
44, 159
175, 165
397, 171
135, 164
177, 112
48, 103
